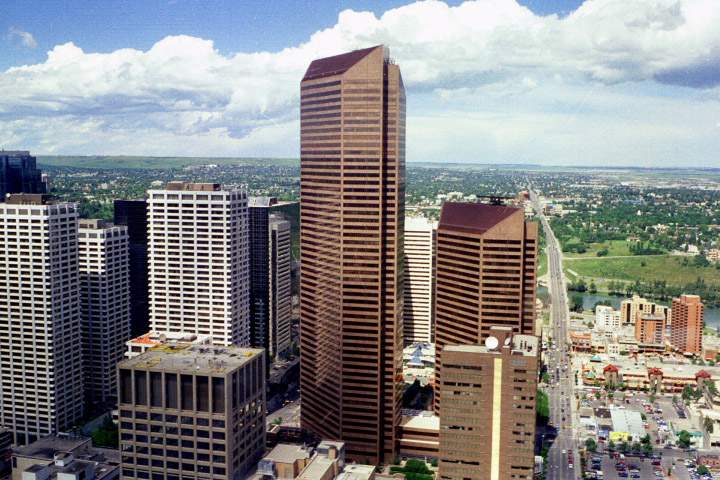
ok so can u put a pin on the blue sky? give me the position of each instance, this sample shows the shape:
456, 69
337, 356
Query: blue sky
539, 81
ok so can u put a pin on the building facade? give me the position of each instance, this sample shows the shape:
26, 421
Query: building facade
686, 327
271, 276
352, 163
40, 334
191, 411
104, 306
19, 173
198, 261
632, 309
486, 268
650, 329
280, 289
418, 311
487, 422
133, 214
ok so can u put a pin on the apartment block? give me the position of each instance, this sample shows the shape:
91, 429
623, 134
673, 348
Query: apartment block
352, 182
280, 288
40, 333
133, 214
198, 261
418, 310
486, 269
686, 328
104, 306
191, 411
632, 309
487, 422
650, 329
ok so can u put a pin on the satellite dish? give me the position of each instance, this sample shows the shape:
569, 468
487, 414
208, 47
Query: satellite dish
491, 343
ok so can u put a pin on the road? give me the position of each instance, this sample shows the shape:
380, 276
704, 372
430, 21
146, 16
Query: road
561, 395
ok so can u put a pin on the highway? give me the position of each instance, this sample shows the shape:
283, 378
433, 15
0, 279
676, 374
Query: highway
564, 451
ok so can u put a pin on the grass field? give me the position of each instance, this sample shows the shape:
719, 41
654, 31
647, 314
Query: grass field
98, 161
615, 248
542, 264
644, 268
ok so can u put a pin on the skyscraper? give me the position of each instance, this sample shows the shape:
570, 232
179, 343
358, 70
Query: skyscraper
486, 261
19, 173
267, 311
40, 350
686, 327
104, 306
191, 411
198, 261
352, 143
487, 423
419, 279
133, 214
280, 290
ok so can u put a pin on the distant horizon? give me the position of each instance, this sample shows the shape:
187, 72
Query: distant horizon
297, 159
557, 82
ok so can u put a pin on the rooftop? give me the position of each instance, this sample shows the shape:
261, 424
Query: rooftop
357, 472
628, 421
337, 64
287, 453
317, 468
194, 187
189, 357
526, 345
475, 217
46, 447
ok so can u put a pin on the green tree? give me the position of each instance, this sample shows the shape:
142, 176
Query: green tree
703, 470
106, 435
591, 445
683, 439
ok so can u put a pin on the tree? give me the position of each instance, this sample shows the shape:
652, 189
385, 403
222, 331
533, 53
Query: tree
591, 445
703, 470
106, 435
683, 439
611, 445
593, 287
709, 425
647, 449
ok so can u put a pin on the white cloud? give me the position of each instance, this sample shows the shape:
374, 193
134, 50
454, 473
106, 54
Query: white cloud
25, 38
183, 94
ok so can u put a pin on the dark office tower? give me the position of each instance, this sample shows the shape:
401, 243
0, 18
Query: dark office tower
133, 214
19, 173
352, 206
485, 278
270, 276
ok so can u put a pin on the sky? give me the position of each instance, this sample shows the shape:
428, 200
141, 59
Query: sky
557, 82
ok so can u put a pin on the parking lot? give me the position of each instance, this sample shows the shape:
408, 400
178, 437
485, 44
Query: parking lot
645, 469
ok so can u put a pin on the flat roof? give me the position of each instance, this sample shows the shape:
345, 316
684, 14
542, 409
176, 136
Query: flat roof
421, 422
287, 453
317, 468
204, 359
629, 421
47, 447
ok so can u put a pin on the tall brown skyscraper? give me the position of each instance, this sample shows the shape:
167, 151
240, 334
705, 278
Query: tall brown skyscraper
686, 327
486, 256
352, 220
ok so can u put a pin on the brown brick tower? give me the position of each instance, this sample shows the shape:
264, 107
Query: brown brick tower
352, 218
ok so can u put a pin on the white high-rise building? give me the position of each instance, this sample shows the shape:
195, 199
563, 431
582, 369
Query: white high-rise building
280, 300
198, 261
418, 321
607, 319
40, 348
105, 305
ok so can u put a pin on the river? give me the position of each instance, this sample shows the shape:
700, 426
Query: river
712, 315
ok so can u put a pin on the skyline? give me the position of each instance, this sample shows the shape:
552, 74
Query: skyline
606, 84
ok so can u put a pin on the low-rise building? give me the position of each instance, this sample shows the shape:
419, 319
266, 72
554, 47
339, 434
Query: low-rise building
56, 458
285, 461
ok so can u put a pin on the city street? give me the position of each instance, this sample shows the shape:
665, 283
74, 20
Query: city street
558, 363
